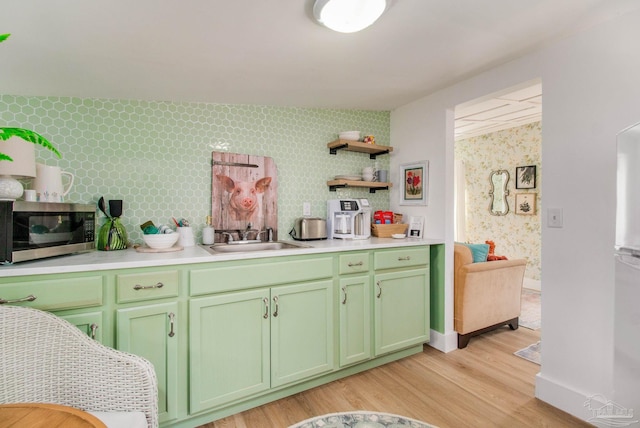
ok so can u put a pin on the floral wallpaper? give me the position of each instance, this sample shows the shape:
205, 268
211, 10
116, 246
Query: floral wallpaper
515, 235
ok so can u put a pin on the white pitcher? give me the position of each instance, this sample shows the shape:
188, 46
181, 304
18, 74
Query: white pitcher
48, 183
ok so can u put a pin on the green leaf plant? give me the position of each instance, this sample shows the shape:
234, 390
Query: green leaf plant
25, 134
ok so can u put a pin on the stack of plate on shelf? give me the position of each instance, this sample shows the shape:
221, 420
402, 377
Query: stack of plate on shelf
349, 135
349, 177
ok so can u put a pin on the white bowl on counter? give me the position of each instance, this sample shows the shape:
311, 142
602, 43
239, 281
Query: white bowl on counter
160, 241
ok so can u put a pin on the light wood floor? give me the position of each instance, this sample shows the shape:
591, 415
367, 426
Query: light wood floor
483, 385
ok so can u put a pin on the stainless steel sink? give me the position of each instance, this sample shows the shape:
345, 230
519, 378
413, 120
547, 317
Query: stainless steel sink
242, 247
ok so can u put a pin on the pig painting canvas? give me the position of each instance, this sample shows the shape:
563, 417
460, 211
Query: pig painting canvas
243, 195
244, 192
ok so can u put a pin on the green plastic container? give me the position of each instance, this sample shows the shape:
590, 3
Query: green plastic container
112, 236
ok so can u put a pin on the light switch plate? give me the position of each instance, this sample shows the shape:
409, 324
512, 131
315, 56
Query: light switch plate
554, 217
306, 208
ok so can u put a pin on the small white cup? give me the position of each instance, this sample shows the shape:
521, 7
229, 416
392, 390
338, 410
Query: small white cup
186, 238
30, 195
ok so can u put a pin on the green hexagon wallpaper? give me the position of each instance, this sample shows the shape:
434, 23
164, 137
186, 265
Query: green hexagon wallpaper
156, 156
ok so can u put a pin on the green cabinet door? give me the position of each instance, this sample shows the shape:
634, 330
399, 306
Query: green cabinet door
301, 331
229, 345
90, 323
401, 309
151, 332
355, 319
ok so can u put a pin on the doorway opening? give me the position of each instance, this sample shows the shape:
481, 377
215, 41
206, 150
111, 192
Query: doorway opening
501, 134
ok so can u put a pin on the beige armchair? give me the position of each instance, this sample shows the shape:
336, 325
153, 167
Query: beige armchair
486, 294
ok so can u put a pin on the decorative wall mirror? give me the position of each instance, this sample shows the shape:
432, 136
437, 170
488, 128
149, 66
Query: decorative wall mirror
499, 192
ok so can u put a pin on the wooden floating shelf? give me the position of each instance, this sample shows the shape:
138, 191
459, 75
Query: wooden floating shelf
372, 185
357, 146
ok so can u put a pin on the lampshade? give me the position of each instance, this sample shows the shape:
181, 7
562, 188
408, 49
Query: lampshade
23, 166
23, 154
348, 16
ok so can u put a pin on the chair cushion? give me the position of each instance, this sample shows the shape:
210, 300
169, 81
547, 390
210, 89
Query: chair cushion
478, 251
122, 419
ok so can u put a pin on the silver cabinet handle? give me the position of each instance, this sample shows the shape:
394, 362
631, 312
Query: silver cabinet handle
29, 298
401, 259
266, 308
94, 329
379, 289
360, 263
146, 287
344, 290
172, 318
275, 300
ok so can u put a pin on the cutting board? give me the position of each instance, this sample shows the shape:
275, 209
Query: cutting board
145, 249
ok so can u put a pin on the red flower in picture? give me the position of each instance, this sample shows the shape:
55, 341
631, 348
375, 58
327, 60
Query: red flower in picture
413, 186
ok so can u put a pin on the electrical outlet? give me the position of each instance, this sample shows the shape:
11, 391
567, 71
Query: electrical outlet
554, 217
306, 208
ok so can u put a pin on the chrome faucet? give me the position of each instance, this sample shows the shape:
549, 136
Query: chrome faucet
269, 233
230, 239
244, 234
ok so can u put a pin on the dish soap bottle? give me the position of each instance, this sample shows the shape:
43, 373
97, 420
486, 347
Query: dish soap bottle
208, 233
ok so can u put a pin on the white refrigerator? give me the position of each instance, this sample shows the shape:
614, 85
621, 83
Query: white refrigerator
626, 371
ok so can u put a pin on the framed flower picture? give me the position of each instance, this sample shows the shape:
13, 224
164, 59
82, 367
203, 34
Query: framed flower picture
414, 185
526, 203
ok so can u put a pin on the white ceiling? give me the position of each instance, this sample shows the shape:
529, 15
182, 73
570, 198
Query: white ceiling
513, 108
270, 52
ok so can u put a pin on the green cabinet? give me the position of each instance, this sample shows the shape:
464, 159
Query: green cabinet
301, 331
57, 293
355, 319
229, 345
75, 297
234, 334
151, 332
354, 302
401, 298
90, 323
401, 310
247, 342
147, 324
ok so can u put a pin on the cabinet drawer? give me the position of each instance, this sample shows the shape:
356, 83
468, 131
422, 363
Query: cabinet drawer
241, 276
55, 294
353, 263
401, 258
147, 286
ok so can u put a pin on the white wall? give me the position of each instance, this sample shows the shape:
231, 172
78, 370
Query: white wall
591, 91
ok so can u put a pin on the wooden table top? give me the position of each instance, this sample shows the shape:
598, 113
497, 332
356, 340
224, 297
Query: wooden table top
40, 415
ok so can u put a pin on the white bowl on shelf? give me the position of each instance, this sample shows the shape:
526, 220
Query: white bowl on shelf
161, 240
349, 135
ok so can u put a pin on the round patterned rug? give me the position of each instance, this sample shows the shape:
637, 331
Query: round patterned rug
361, 419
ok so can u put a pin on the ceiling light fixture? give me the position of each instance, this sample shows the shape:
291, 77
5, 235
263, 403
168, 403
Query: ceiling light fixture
348, 16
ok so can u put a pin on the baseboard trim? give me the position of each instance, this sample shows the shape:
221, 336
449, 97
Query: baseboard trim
532, 284
443, 342
561, 396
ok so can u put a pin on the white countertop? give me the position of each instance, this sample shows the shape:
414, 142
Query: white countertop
130, 258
